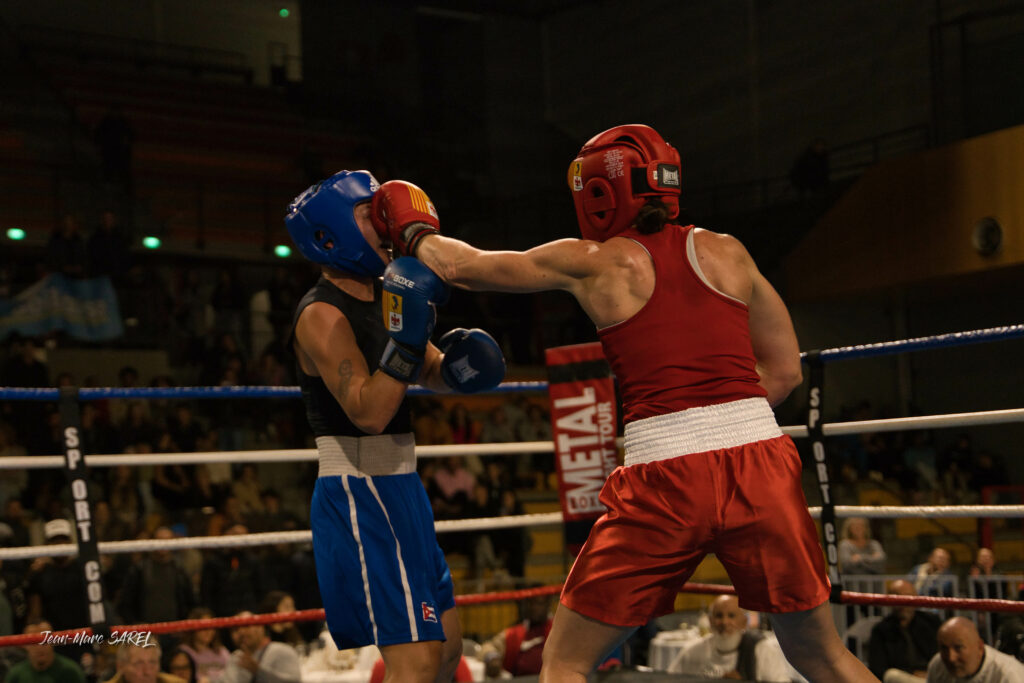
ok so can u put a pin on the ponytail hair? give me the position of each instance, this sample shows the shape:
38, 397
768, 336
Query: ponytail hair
652, 217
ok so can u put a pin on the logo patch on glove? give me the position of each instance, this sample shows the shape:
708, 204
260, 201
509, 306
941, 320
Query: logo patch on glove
420, 201
462, 370
400, 280
393, 312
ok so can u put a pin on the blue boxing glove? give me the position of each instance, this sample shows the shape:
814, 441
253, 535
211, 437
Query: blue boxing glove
411, 291
472, 361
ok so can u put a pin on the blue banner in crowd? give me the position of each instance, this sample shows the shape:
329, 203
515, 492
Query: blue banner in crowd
85, 309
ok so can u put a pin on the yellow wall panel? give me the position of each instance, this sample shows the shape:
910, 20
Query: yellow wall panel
910, 220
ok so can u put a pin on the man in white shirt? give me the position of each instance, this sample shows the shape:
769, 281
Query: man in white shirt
732, 651
258, 659
963, 656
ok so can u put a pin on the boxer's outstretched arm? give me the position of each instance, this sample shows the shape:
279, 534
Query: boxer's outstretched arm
563, 264
325, 340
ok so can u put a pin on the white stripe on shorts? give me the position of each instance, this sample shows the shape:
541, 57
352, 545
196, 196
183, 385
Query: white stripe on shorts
700, 429
362, 554
401, 566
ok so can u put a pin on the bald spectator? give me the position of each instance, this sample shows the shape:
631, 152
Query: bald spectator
141, 664
902, 643
43, 665
963, 656
258, 659
731, 650
933, 577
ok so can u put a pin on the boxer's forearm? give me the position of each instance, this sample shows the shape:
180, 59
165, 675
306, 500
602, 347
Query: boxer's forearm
451, 259
556, 265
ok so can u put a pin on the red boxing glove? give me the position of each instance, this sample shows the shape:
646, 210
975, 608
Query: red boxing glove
403, 214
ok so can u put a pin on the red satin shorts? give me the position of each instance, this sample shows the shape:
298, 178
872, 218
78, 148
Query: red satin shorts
744, 504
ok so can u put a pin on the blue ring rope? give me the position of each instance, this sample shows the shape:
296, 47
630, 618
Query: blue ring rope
938, 341
98, 393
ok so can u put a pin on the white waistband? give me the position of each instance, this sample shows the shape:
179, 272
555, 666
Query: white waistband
698, 430
366, 456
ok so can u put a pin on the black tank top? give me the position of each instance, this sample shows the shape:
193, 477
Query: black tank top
322, 410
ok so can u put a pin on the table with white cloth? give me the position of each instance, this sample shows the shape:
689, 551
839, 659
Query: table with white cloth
667, 644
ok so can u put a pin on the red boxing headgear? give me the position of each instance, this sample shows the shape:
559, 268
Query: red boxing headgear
615, 174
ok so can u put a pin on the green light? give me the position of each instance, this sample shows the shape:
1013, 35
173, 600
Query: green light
282, 251
283, 13
15, 234
151, 242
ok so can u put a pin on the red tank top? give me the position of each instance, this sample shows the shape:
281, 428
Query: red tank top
688, 346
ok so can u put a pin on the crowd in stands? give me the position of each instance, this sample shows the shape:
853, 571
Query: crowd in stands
900, 645
913, 464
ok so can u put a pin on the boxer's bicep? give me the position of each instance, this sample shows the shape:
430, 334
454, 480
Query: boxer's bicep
369, 399
773, 340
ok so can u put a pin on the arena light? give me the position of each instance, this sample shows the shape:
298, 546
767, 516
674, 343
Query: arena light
282, 251
150, 242
283, 13
15, 234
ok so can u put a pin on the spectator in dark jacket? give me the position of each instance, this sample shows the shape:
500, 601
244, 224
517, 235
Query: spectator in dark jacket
905, 640
156, 589
230, 578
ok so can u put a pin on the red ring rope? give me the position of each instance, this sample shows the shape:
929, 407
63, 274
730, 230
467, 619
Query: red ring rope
848, 598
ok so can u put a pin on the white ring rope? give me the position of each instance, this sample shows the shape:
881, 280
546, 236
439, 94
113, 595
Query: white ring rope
924, 511
266, 538
482, 524
283, 455
987, 417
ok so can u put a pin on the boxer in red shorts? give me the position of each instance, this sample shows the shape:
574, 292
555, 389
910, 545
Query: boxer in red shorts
702, 347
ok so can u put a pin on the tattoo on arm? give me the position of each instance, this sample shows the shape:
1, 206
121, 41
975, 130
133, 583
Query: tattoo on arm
345, 374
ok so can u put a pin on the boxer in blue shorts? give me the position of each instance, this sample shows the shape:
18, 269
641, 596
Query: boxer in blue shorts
383, 578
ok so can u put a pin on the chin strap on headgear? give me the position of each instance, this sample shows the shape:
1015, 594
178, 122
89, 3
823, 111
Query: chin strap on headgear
615, 174
323, 226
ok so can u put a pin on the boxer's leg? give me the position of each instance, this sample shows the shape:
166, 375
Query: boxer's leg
576, 645
811, 644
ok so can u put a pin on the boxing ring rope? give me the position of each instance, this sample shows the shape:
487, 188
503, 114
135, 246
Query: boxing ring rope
987, 417
271, 618
923, 601
482, 524
815, 358
936, 341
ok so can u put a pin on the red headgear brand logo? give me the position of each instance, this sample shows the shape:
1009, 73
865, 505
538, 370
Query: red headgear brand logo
577, 179
613, 163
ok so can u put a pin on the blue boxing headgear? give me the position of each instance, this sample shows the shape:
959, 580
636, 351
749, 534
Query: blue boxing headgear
323, 226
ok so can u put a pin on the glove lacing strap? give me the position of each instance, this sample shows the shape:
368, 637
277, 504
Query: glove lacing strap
401, 361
